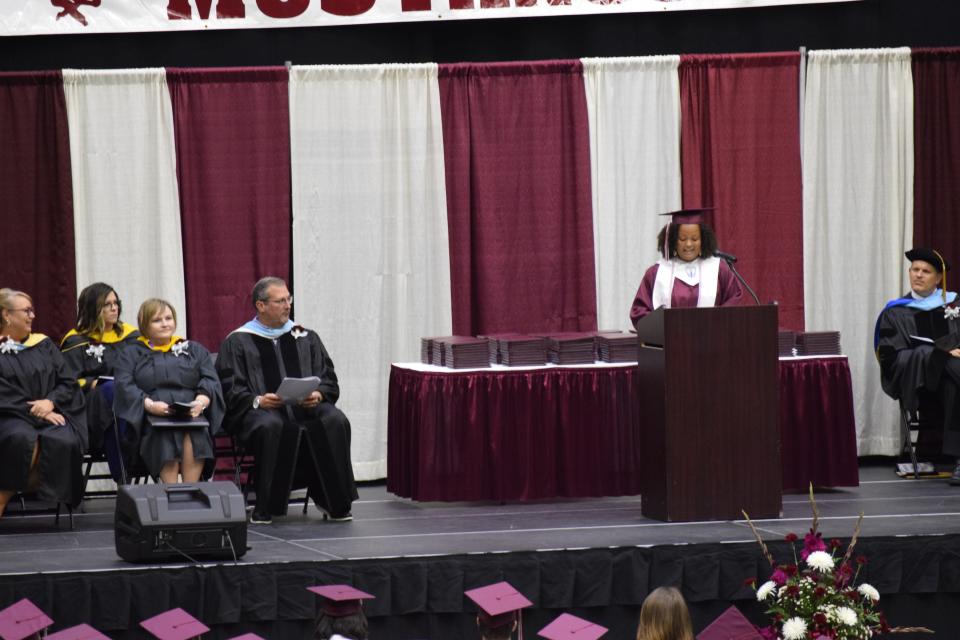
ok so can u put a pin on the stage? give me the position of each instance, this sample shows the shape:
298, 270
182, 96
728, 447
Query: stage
597, 557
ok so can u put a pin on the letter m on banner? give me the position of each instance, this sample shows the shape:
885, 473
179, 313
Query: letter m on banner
181, 9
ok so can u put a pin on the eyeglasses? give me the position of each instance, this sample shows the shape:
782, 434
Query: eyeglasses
111, 305
27, 310
282, 301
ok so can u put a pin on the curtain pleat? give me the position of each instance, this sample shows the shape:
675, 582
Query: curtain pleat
634, 110
858, 212
516, 146
126, 209
36, 197
232, 131
740, 145
936, 140
370, 247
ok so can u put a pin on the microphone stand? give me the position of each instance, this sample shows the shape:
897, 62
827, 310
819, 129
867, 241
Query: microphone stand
740, 278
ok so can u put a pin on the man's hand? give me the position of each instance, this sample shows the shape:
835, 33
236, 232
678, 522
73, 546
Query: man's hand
270, 401
955, 353
312, 400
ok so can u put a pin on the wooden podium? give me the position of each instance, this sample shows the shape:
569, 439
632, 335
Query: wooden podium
709, 413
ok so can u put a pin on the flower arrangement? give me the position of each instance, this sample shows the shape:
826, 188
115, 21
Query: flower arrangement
817, 597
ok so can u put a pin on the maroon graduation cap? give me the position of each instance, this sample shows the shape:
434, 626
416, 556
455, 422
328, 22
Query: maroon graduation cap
79, 632
570, 627
695, 215
341, 600
731, 625
499, 604
22, 619
247, 636
175, 624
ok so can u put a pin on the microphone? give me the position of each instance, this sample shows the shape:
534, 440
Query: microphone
729, 257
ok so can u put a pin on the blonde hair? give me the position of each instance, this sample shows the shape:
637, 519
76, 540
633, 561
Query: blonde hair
148, 311
6, 301
664, 616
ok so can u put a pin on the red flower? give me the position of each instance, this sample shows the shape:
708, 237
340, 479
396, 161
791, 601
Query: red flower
779, 577
861, 560
835, 543
793, 591
820, 618
819, 592
790, 569
812, 542
884, 627
749, 582
790, 537
768, 633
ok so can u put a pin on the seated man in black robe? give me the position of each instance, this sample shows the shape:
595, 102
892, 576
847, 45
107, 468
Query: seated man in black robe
307, 443
916, 341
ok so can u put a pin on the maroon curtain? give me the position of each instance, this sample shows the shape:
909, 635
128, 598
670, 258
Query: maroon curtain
233, 167
936, 151
740, 153
516, 147
36, 198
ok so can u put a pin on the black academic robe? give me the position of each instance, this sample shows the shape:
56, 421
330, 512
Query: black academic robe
38, 373
908, 365
177, 375
251, 365
88, 357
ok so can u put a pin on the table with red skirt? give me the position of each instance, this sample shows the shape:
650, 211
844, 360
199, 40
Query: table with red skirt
574, 431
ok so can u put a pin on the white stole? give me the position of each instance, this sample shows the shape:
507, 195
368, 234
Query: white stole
707, 276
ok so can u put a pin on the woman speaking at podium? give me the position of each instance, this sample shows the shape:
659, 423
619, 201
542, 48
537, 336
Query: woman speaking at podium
688, 273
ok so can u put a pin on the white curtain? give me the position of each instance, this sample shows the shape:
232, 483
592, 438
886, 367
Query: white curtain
371, 264
634, 110
125, 202
858, 212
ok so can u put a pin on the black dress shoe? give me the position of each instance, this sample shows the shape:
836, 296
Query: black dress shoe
955, 478
261, 517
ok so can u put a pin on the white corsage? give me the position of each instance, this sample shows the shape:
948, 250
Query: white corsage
180, 348
96, 350
9, 345
951, 312
298, 332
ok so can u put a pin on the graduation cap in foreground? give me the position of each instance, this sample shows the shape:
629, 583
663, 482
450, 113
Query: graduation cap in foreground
694, 215
175, 624
499, 604
930, 256
79, 632
22, 619
731, 625
341, 600
247, 636
570, 627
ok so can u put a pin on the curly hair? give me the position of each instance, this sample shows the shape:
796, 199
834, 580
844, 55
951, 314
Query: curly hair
353, 626
708, 240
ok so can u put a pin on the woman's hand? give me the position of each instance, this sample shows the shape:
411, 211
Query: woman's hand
55, 418
156, 407
200, 403
40, 408
955, 353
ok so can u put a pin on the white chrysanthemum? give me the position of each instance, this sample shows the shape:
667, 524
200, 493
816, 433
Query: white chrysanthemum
821, 561
794, 629
846, 616
766, 589
869, 592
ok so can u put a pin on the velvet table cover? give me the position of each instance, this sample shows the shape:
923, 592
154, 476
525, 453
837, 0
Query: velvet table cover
526, 434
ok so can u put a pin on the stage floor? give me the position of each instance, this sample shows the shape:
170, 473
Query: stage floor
389, 527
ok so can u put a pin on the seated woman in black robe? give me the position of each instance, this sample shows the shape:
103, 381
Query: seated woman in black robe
156, 371
43, 429
916, 341
90, 352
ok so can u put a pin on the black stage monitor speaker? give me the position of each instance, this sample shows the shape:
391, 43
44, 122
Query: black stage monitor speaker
180, 521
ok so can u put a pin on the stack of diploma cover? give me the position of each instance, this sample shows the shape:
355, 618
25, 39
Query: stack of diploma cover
463, 352
818, 343
522, 351
617, 347
179, 418
570, 348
